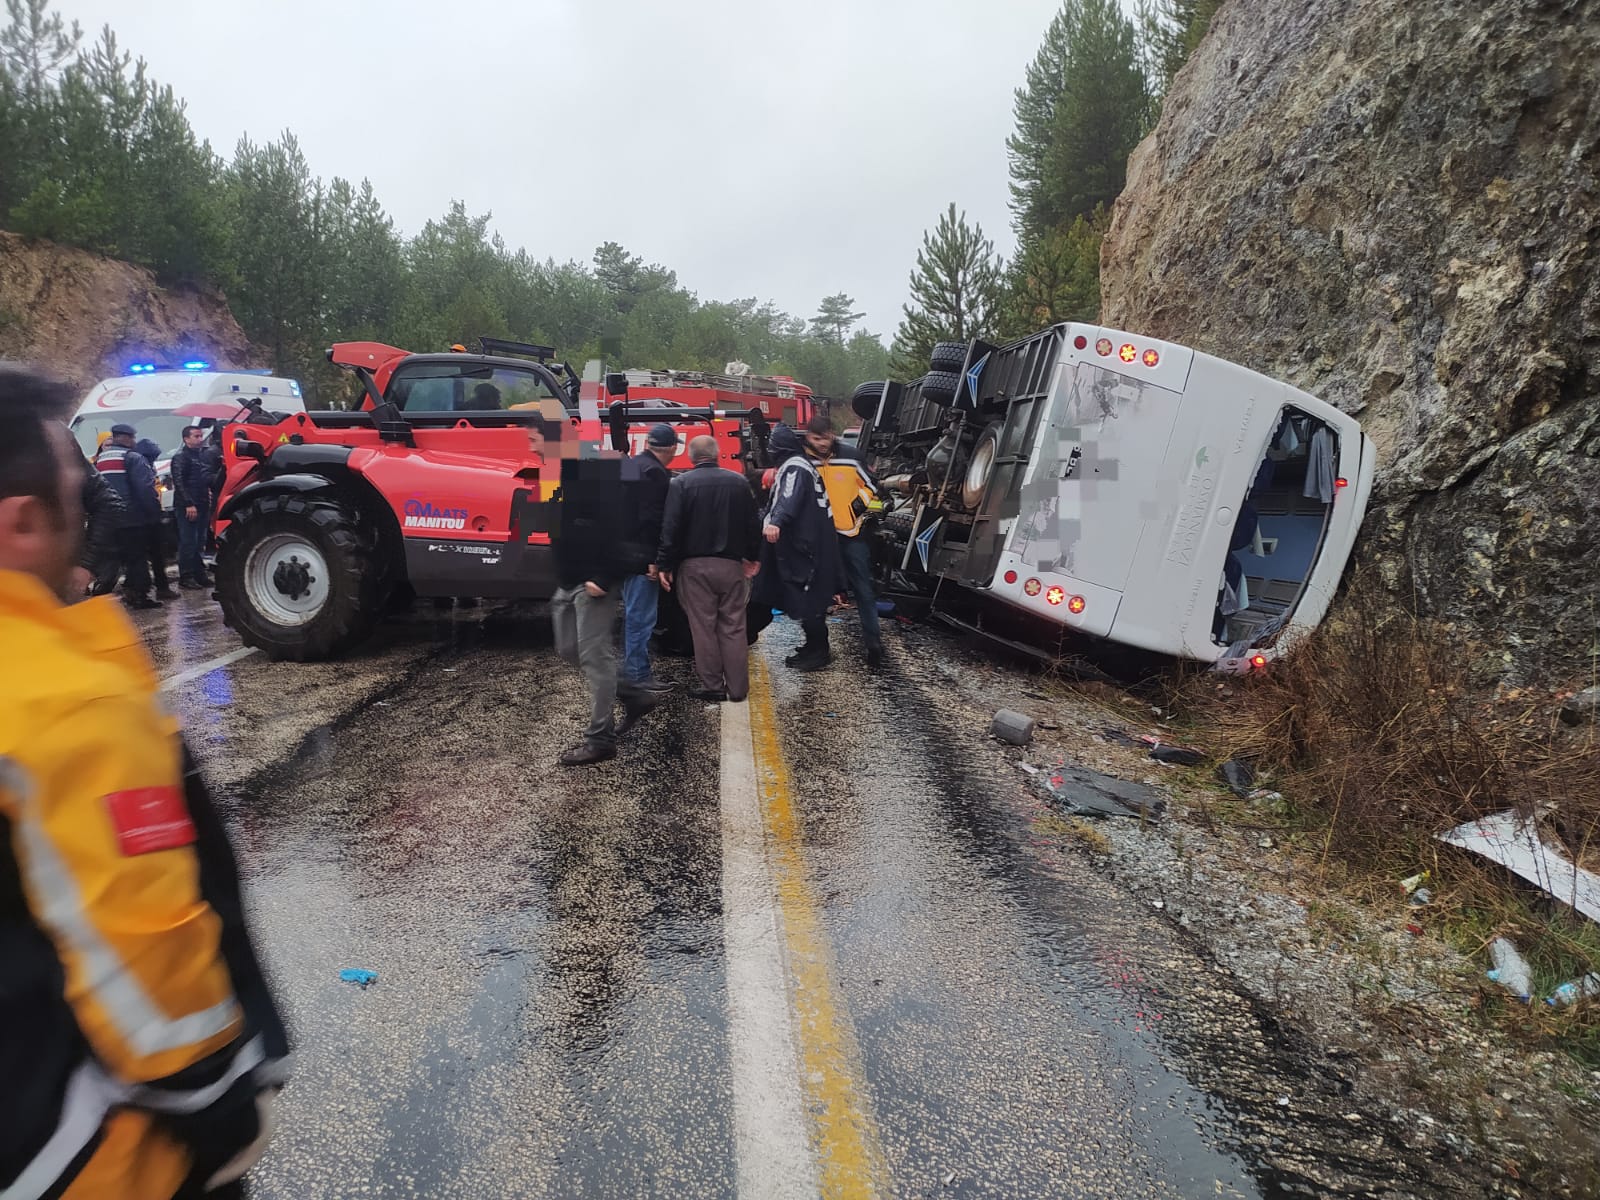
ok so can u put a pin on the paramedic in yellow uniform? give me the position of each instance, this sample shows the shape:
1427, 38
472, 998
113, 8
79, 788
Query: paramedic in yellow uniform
853, 497
139, 1045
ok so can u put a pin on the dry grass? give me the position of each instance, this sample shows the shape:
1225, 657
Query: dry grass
1378, 738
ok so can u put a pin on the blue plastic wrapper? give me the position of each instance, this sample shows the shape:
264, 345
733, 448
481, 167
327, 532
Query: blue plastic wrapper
358, 975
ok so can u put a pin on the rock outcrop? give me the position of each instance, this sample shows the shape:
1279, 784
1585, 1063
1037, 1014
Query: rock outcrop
1394, 205
84, 317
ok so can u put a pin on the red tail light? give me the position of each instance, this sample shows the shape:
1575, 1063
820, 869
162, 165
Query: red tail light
1341, 482
1076, 604
1258, 661
1080, 342
1010, 577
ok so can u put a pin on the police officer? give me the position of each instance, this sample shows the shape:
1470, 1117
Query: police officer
134, 480
139, 1045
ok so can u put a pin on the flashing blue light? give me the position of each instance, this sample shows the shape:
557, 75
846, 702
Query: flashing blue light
141, 368
197, 365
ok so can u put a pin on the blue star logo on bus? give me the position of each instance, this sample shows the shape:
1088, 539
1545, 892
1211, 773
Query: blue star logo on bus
975, 373
925, 541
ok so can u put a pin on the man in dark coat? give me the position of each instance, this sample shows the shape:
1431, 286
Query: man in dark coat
591, 563
98, 564
801, 570
192, 506
155, 545
134, 480
640, 591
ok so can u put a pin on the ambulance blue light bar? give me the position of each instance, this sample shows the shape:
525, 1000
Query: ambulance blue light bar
141, 368
197, 365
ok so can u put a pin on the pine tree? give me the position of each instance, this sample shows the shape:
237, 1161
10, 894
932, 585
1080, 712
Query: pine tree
834, 318
1083, 107
1056, 277
955, 292
36, 45
1171, 29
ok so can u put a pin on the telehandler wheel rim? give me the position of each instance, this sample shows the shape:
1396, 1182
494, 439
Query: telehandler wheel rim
286, 579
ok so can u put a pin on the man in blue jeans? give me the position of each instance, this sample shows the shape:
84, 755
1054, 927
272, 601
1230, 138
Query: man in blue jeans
853, 498
640, 592
192, 502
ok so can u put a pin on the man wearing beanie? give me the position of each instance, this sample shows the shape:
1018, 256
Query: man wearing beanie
640, 591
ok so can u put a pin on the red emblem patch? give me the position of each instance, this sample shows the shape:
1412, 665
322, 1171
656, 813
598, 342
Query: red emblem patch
150, 819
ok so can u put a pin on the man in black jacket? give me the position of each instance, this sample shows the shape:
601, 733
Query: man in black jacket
98, 564
192, 472
640, 590
134, 480
591, 563
710, 549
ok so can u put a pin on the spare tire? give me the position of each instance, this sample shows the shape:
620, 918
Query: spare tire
865, 399
980, 466
948, 356
941, 387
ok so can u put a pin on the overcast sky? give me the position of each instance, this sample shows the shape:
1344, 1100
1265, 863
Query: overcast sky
777, 150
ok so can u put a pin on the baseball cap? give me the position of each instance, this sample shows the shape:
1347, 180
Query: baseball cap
662, 436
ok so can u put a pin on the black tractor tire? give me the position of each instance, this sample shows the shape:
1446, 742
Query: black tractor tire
865, 399
941, 387
979, 469
303, 610
948, 356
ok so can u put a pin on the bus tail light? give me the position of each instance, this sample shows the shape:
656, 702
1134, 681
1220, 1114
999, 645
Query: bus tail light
1076, 604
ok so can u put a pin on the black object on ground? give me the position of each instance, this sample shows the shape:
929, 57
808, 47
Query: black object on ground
1088, 793
1239, 775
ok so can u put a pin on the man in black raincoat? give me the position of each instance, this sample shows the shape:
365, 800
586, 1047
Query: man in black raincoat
801, 570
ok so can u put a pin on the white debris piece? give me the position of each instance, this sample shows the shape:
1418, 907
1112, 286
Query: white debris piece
1510, 839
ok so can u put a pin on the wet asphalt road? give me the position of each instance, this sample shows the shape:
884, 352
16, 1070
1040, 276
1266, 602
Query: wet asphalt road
552, 1011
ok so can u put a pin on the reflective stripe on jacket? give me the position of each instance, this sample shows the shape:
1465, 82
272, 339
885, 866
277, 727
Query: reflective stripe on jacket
122, 1032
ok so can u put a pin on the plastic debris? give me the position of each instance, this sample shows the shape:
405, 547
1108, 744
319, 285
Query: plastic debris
1239, 775
1012, 727
1513, 841
1179, 756
358, 975
1577, 989
1414, 882
1510, 969
1413, 929
1029, 768
1421, 896
886, 608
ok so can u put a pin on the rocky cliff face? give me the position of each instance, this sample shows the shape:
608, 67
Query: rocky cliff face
1394, 205
83, 317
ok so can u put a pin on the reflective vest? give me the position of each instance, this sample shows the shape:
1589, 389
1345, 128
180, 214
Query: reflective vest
119, 1025
851, 494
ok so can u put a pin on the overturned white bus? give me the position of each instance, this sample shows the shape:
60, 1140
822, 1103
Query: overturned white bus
1123, 487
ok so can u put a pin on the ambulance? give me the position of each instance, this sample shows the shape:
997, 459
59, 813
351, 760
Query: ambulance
159, 400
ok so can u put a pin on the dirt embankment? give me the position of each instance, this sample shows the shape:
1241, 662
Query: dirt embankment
84, 317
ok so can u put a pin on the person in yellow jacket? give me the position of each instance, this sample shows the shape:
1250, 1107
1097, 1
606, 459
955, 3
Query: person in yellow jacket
853, 497
139, 1044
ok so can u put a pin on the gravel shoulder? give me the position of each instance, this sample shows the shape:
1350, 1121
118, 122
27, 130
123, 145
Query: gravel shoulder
1399, 1013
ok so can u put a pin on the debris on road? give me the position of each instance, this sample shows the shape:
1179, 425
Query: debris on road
1412, 883
1178, 756
1012, 727
1081, 792
1510, 968
358, 975
1511, 840
1240, 777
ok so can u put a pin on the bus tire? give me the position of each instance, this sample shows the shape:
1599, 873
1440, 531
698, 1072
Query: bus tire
865, 399
941, 387
948, 356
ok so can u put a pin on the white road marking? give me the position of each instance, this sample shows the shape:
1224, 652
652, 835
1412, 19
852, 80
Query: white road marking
205, 668
771, 1133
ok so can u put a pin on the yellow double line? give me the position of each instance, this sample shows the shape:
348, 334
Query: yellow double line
850, 1162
